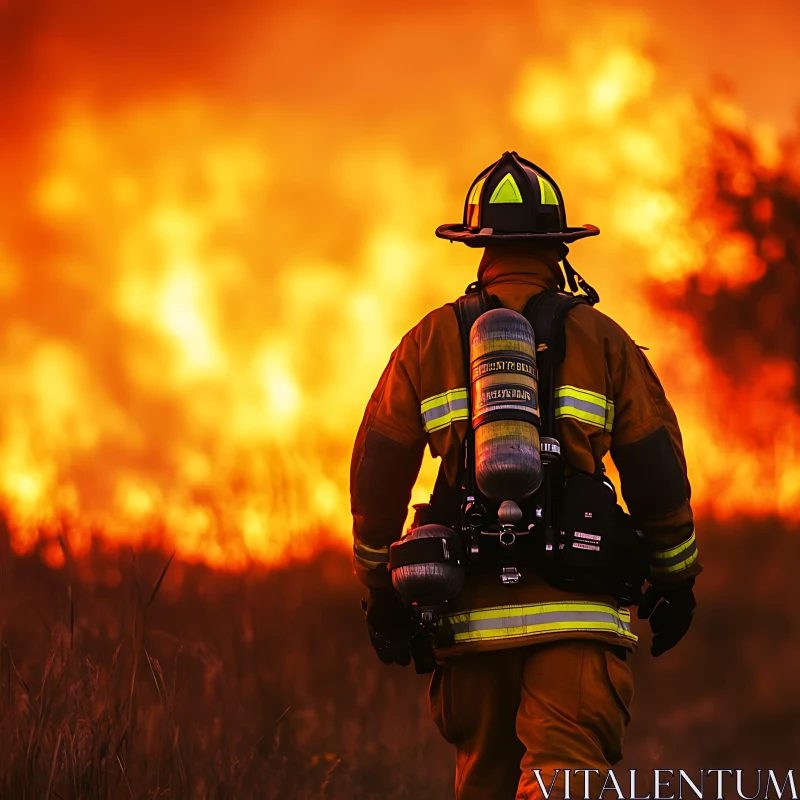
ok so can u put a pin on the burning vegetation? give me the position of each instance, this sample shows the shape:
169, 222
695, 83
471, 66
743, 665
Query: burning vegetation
213, 231
194, 275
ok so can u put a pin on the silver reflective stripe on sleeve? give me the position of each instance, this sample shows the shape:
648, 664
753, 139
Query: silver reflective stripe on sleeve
443, 409
581, 404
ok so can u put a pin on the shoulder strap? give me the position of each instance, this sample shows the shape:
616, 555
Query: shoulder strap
475, 302
547, 313
468, 308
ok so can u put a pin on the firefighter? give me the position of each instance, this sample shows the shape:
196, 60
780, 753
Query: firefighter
532, 679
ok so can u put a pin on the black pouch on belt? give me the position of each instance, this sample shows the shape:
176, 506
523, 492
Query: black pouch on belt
596, 547
587, 527
581, 556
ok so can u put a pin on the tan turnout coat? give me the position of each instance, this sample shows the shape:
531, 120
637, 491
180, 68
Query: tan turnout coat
608, 398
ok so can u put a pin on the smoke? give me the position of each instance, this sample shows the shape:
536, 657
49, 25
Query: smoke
756, 320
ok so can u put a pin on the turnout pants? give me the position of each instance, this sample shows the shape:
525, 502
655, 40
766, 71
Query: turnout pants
561, 705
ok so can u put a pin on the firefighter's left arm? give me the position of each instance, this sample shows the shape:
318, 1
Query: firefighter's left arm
386, 461
647, 449
609, 397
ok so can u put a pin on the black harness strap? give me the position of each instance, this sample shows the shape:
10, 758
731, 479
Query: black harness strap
446, 499
468, 308
547, 313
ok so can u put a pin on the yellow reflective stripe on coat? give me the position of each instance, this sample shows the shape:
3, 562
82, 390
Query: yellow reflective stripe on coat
443, 409
581, 404
509, 622
370, 557
676, 559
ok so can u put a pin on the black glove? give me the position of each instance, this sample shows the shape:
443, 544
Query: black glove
390, 626
670, 610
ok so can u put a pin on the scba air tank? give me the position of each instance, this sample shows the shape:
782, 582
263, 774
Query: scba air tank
505, 405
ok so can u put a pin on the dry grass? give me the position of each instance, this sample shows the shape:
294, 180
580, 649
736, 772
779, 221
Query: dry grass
129, 677
116, 685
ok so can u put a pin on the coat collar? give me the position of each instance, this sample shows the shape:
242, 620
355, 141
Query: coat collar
503, 265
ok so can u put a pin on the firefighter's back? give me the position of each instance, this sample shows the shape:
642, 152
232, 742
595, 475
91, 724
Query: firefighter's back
533, 648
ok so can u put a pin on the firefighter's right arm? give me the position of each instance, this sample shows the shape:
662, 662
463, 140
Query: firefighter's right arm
386, 461
647, 449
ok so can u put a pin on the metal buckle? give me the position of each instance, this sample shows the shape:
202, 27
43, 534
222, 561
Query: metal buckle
510, 576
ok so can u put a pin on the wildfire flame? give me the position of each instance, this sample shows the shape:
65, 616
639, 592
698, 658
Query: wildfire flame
199, 289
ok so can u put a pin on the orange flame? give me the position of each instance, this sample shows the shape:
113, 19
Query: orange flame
198, 297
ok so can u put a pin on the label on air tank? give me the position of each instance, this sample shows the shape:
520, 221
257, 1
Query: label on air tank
504, 388
508, 396
506, 393
515, 365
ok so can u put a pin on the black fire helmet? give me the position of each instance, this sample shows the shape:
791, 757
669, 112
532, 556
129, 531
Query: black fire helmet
513, 200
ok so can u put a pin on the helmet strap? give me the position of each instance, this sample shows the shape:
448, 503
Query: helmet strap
575, 280
475, 286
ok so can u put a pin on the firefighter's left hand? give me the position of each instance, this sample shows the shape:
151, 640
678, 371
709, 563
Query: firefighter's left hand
670, 610
390, 626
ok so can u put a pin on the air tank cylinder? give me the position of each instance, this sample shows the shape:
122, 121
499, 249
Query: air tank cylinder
428, 576
505, 405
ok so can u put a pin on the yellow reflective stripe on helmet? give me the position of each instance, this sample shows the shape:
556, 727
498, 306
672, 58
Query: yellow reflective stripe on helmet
581, 404
443, 409
509, 622
474, 204
370, 557
475, 194
506, 191
675, 559
549, 197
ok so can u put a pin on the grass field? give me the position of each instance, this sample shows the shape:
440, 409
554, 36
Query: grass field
263, 685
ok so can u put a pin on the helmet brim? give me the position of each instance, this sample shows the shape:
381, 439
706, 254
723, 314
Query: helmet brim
457, 232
